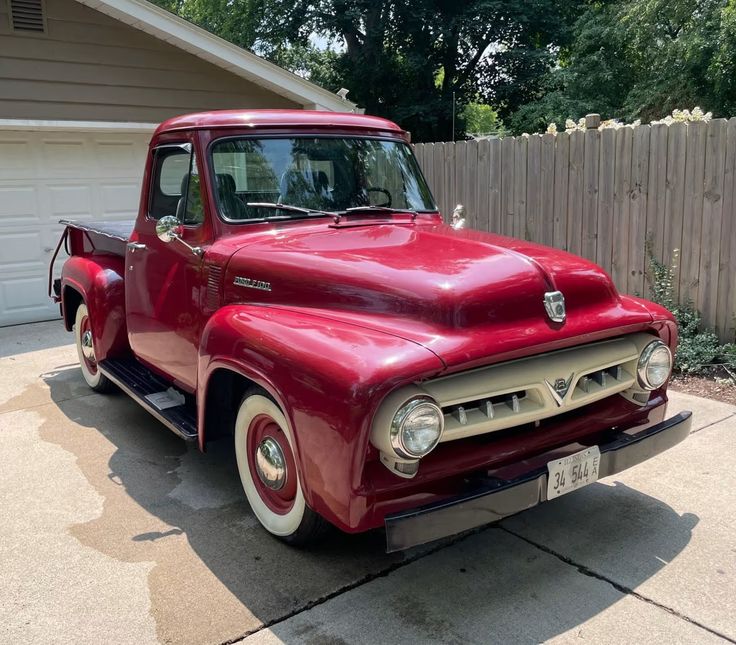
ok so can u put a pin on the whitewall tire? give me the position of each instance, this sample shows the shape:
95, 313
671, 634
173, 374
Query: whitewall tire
264, 449
86, 351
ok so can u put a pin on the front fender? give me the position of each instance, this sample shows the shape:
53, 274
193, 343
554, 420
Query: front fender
98, 279
329, 377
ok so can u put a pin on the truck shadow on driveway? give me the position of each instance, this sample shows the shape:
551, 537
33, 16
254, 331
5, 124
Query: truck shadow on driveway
217, 575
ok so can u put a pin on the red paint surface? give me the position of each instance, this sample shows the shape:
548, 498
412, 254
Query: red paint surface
354, 312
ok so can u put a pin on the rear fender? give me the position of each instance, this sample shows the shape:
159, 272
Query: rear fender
328, 377
98, 281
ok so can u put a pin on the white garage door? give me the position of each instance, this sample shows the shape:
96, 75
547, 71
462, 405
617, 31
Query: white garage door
47, 176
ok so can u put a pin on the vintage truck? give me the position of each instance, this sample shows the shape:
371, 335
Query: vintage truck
289, 283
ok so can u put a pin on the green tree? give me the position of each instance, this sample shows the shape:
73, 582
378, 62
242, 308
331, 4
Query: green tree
641, 59
482, 119
389, 53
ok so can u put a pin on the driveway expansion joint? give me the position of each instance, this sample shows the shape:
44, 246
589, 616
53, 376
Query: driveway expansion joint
586, 571
713, 423
360, 582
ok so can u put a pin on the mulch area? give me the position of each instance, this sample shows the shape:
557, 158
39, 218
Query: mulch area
716, 385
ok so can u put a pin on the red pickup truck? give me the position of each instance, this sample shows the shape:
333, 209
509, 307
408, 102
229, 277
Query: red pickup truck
290, 283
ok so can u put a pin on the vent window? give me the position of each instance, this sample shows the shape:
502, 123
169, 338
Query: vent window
27, 15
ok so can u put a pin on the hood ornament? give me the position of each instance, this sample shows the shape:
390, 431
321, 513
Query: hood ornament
554, 303
559, 388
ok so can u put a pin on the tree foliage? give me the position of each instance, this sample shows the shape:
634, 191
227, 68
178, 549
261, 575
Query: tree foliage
641, 59
389, 53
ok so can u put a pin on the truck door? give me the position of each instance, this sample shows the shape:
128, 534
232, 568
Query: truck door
163, 280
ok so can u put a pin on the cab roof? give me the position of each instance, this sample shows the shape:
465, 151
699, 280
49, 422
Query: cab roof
282, 119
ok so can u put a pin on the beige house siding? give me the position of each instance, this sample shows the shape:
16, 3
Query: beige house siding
89, 66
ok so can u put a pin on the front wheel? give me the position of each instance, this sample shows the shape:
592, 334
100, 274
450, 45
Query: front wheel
86, 352
264, 449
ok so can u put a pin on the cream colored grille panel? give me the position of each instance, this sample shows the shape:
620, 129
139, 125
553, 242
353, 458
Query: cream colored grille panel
519, 392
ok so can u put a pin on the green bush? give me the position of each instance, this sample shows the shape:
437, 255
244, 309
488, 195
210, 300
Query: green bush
698, 349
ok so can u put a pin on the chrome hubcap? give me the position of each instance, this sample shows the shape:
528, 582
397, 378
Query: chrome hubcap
87, 348
271, 464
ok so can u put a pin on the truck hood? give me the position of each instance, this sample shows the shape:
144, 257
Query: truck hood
451, 291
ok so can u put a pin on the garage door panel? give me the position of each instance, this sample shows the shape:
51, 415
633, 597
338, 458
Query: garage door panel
70, 201
19, 299
65, 158
47, 176
22, 250
119, 155
18, 204
120, 200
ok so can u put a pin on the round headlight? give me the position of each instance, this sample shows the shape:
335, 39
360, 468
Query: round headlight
655, 365
416, 428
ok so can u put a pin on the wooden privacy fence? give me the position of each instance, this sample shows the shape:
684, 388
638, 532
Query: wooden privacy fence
602, 193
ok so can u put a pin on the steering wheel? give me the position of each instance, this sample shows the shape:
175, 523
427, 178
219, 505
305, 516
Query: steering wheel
376, 189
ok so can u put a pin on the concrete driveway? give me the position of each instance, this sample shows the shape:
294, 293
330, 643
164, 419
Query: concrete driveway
113, 530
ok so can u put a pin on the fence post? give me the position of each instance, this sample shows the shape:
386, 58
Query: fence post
592, 121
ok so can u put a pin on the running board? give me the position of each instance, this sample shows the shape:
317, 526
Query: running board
138, 382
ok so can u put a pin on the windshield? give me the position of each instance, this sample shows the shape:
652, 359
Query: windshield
326, 174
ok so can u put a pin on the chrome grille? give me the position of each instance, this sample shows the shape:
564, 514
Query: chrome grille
518, 392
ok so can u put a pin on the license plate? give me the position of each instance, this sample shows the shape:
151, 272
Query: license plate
572, 472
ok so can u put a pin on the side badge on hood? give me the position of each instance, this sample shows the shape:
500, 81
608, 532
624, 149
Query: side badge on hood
554, 303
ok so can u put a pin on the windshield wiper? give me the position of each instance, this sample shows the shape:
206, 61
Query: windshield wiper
381, 209
375, 209
311, 212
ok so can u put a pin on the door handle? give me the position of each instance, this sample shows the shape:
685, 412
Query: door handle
136, 246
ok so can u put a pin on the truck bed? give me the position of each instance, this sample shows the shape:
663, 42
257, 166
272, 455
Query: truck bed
120, 230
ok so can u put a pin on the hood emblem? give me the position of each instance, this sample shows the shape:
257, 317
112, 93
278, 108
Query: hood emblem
240, 281
554, 303
559, 388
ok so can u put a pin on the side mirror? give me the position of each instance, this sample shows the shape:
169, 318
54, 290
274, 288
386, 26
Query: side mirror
168, 229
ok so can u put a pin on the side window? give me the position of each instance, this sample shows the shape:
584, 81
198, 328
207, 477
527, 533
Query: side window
175, 185
193, 213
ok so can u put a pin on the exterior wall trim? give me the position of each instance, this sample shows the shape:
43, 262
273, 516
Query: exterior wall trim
25, 125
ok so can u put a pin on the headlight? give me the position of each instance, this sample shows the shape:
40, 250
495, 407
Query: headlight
416, 428
655, 365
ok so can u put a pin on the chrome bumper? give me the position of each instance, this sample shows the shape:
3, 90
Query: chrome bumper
501, 497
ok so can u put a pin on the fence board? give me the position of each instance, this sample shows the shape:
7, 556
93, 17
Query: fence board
458, 193
591, 160
470, 184
637, 264
693, 213
481, 180
533, 226
495, 185
547, 189
621, 210
726, 314
715, 158
508, 146
604, 225
603, 194
562, 174
577, 188
449, 180
674, 207
657, 183
520, 159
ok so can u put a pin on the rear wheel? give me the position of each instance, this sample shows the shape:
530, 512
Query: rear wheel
86, 352
264, 448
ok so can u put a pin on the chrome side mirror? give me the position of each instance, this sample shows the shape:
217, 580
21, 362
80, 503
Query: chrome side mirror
168, 229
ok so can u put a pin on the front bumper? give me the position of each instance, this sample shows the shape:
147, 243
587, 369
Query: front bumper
512, 489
